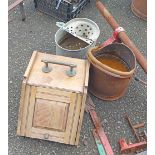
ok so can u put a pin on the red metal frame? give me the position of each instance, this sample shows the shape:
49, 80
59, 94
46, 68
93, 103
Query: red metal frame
128, 148
98, 127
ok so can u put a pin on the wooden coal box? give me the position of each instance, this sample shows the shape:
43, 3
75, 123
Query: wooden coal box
53, 98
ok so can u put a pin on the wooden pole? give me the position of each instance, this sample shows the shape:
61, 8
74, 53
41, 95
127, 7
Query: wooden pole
122, 35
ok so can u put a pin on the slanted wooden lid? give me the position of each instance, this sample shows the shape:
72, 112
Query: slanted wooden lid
57, 78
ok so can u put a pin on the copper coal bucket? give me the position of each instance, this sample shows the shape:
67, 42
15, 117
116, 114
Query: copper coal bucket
105, 82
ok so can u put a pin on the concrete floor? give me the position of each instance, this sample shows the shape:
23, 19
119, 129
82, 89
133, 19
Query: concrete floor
37, 33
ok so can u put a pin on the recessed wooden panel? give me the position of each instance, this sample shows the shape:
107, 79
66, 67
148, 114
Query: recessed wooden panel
50, 114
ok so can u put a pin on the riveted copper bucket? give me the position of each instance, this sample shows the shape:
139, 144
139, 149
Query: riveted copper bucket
105, 82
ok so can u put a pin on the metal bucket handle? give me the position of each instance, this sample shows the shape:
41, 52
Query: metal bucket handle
105, 68
113, 38
92, 59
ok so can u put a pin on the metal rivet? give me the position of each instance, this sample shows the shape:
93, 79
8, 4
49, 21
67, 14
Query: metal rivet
46, 136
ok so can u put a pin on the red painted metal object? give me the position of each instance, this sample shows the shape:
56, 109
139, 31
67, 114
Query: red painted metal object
100, 132
113, 38
98, 143
98, 127
141, 139
128, 148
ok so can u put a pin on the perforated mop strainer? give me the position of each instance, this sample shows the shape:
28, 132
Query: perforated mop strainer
82, 28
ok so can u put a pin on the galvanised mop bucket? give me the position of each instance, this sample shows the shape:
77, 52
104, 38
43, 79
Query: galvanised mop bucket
105, 82
83, 28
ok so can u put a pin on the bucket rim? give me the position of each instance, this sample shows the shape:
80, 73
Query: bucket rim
76, 19
86, 19
106, 68
68, 50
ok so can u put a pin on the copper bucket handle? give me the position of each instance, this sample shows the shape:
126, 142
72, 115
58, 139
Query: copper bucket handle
105, 68
112, 39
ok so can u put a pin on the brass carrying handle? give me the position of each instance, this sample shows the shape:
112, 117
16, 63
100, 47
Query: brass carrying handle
71, 72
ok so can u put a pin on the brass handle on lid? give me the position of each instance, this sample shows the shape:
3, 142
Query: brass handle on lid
47, 69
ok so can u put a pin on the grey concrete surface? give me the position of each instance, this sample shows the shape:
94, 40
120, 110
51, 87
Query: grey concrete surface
37, 33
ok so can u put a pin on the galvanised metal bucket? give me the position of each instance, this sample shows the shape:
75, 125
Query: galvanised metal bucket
105, 82
79, 26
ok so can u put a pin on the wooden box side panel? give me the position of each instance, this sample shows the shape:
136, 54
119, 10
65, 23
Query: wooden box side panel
73, 99
87, 64
24, 103
30, 111
76, 117
20, 113
81, 117
24, 99
30, 65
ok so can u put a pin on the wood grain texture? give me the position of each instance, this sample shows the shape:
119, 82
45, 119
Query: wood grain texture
76, 119
51, 97
86, 74
83, 101
70, 118
46, 131
81, 116
50, 114
57, 78
25, 111
30, 111
53, 91
21, 107
40, 134
51, 138
52, 104
24, 100
30, 65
